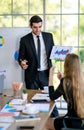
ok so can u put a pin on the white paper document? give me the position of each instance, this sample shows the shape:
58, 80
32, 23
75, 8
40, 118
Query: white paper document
38, 107
4, 126
59, 52
7, 119
17, 101
42, 107
41, 97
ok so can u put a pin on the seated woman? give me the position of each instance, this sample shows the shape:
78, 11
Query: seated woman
71, 87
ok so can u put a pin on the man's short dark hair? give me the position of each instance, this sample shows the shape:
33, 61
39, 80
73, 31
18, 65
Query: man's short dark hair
35, 19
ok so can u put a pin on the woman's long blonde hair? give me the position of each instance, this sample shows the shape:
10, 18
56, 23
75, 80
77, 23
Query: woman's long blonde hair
73, 77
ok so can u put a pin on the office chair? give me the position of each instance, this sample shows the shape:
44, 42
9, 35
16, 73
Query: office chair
71, 129
73, 123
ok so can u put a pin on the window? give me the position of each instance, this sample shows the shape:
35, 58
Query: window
63, 18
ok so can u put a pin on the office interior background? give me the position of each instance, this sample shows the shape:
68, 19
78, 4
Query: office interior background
63, 18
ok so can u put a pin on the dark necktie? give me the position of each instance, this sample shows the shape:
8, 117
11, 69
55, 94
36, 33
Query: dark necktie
38, 51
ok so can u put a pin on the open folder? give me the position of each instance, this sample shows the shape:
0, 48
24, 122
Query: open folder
40, 98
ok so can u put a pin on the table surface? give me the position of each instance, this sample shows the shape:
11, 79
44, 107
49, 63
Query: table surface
38, 124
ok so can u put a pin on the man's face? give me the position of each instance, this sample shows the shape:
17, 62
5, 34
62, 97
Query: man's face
36, 28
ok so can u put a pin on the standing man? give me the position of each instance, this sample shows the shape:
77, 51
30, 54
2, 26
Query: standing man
36, 72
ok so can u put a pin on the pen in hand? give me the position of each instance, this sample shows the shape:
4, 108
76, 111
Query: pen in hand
24, 64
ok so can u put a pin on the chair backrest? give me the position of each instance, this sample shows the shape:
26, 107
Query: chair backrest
73, 123
70, 129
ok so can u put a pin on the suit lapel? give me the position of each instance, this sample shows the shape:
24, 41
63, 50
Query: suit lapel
45, 42
32, 45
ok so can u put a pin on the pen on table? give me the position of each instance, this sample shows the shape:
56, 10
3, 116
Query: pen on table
30, 116
26, 127
8, 95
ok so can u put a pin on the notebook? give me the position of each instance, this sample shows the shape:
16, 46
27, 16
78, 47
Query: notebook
26, 118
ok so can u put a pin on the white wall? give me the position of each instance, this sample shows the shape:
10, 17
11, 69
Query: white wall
8, 65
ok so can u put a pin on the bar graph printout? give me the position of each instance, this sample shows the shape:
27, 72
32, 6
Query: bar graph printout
59, 52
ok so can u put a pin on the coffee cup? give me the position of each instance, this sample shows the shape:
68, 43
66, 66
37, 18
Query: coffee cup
46, 89
30, 108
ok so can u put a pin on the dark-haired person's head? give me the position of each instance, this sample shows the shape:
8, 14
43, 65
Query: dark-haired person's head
36, 24
35, 19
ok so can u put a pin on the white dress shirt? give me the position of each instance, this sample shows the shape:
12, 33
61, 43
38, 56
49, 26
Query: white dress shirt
43, 59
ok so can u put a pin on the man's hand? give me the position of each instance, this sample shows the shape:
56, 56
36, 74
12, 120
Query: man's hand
24, 64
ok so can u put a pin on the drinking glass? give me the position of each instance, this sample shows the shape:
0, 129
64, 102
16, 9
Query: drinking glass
17, 89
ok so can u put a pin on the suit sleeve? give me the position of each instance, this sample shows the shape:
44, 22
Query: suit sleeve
21, 55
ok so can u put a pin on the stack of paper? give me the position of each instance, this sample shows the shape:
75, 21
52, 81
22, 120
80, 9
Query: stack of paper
40, 98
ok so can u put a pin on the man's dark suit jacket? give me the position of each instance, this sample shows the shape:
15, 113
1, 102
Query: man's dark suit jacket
27, 51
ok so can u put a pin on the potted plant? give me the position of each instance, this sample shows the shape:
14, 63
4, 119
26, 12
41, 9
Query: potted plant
24, 94
24, 90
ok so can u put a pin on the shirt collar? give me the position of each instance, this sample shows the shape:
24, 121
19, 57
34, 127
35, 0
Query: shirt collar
36, 35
